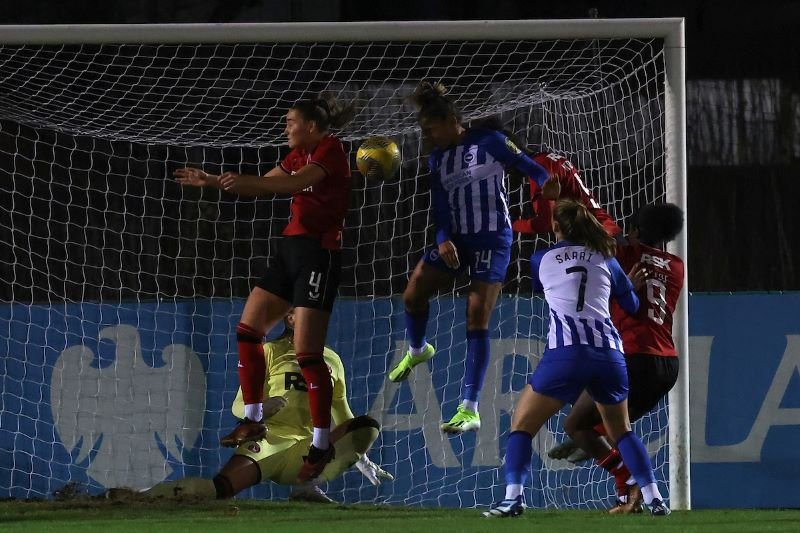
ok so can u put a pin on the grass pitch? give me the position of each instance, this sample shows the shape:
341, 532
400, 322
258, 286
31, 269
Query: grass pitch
194, 516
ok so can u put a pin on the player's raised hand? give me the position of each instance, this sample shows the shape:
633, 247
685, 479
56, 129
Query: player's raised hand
374, 473
638, 276
449, 254
194, 177
551, 189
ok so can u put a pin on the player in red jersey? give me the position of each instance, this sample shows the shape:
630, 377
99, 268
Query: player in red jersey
565, 182
305, 271
650, 352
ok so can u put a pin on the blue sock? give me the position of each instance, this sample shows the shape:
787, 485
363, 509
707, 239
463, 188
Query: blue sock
477, 362
415, 328
635, 457
518, 457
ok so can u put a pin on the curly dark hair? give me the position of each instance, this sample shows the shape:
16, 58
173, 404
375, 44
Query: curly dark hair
659, 223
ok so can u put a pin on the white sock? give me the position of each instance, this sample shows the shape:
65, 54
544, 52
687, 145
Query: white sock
471, 405
254, 411
650, 493
513, 490
320, 438
417, 351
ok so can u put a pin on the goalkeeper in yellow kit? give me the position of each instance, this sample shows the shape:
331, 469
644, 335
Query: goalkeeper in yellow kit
279, 456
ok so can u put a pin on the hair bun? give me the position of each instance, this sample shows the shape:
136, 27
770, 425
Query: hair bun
427, 92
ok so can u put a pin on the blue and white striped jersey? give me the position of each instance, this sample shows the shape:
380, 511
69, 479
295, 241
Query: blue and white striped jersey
577, 283
468, 184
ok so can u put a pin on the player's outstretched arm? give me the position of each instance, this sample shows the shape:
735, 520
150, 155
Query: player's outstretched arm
276, 181
196, 177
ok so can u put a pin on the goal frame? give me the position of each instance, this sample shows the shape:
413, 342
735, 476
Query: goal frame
671, 30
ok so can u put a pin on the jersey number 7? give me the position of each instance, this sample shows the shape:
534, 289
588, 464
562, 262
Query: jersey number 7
582, 289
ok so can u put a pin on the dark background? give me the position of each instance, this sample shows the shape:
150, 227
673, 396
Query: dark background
743, 91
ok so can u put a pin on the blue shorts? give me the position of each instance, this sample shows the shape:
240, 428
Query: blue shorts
487, 257
563, 373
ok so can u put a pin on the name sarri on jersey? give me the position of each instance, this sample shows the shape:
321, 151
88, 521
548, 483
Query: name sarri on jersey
573, 255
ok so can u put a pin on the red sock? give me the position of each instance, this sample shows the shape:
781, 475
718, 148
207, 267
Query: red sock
252, 366
600, 429
613, 463
320, 389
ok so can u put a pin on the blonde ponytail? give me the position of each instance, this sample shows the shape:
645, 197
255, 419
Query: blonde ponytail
578, 225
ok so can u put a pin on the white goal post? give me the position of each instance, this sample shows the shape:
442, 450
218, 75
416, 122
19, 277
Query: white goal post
673, 159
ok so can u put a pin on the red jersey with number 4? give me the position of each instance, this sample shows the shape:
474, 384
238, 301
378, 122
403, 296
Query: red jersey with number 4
572, 186
649, 331
319, 210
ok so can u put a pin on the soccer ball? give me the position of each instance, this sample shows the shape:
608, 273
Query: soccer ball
378, 158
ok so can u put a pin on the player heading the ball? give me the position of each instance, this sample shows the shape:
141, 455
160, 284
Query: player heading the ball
473, 233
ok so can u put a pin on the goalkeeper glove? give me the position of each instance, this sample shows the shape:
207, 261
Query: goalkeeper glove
272, 405
372, 472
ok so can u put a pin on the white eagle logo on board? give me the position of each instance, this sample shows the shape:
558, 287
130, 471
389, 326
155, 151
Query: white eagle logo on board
118, 414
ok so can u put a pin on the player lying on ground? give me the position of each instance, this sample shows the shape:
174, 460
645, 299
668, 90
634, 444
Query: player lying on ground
279, 455
578, 276
650, 354
469, 202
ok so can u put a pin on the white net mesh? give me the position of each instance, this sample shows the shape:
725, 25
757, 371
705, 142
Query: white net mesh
121, 290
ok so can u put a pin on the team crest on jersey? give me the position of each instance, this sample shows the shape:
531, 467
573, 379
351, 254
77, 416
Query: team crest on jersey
469, 157
513, 147
254, 447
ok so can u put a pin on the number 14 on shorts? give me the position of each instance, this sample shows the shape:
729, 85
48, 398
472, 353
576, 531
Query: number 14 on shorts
482, 260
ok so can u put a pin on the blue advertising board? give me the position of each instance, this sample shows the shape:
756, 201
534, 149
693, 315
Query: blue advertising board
129, 395
745, 400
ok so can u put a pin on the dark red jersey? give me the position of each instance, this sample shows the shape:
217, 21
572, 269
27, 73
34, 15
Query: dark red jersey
649, 331
543, 213
319, 210
572, 186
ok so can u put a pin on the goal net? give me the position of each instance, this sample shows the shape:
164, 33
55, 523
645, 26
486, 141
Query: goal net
121, 290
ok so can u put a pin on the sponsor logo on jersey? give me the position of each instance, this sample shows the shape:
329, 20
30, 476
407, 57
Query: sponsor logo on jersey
513, 147
656, 261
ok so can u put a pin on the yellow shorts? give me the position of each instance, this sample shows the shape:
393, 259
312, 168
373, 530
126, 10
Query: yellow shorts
280, 458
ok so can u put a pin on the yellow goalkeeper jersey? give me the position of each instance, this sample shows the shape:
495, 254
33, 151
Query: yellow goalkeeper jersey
284, 378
